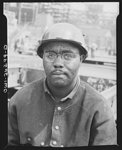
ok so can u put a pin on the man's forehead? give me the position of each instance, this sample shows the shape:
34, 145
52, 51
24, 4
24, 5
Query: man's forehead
60, 46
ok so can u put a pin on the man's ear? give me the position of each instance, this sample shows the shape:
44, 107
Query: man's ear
82, 58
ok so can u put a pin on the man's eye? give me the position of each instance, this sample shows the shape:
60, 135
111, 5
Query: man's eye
68, 56
51, 55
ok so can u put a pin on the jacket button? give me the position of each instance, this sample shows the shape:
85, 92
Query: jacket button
59, 108
54, 142
56, 127
42, 143
29, 139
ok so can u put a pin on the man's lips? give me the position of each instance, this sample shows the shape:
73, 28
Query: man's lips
58, 72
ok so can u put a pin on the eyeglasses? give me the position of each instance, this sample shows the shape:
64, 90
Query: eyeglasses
66, 56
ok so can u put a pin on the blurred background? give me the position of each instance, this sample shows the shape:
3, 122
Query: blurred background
26, 22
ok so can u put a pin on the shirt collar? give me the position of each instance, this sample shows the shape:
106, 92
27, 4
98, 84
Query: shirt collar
69, 96
45, 87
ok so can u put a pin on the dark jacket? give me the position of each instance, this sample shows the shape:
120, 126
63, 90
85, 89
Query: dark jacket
82, 120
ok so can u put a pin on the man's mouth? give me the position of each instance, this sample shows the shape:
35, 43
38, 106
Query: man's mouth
58, 72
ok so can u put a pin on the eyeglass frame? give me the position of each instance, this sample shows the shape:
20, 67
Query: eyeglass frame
61, 55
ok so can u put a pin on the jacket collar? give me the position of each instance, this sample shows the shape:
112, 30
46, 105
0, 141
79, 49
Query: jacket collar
69, 96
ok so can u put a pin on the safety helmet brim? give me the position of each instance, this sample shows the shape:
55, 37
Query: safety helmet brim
40, 49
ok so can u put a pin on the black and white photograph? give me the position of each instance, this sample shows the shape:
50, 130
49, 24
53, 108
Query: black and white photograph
62, 73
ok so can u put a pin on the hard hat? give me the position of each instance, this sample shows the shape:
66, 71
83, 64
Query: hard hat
63, 32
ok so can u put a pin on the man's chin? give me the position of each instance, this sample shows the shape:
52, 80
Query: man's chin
59, 83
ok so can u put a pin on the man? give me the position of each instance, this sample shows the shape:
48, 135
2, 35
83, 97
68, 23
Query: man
60, 110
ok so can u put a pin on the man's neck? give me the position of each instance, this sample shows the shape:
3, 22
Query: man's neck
59, 93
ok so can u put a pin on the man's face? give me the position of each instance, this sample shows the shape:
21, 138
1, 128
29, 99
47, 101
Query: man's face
61, 62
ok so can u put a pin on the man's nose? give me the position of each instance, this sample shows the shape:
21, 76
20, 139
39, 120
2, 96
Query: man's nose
58, 62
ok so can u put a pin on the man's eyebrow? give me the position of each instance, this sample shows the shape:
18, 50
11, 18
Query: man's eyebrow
49, 50
67, 51
63, 50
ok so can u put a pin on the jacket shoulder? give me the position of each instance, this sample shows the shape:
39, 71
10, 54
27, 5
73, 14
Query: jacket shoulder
25, 93
92, 97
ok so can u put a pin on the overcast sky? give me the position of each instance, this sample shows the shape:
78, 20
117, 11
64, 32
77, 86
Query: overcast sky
107, 6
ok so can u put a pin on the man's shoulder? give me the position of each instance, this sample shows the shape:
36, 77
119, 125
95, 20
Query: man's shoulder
91, 97
26, 92
89, 89
33, 86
